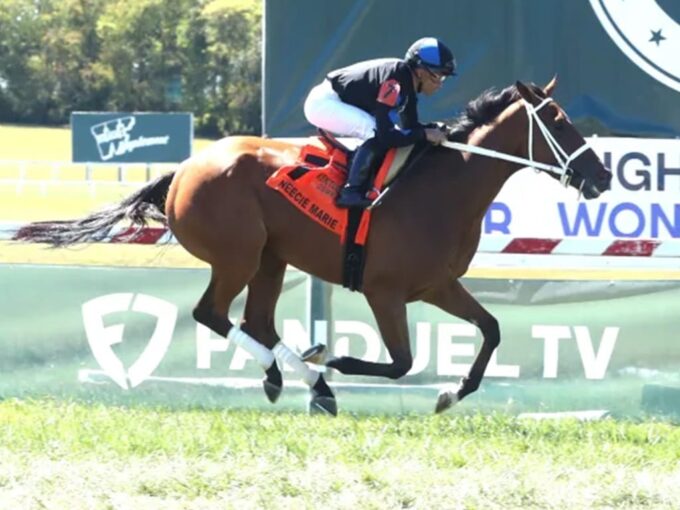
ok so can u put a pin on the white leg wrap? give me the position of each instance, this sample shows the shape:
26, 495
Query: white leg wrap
262, 354
285, 355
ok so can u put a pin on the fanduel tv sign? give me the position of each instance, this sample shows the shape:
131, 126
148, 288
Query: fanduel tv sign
131, 137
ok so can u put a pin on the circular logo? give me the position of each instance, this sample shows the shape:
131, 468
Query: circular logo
647, 35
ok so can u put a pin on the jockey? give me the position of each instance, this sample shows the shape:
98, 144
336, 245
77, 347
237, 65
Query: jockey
376, 101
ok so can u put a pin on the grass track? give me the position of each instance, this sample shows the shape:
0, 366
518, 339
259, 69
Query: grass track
67, 455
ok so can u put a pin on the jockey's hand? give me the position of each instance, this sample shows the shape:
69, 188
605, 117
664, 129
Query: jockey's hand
435, 136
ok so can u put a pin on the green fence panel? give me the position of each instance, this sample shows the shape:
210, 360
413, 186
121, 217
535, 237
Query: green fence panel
606, 85
126, 335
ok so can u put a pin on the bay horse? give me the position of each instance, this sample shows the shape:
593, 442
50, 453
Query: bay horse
422, 239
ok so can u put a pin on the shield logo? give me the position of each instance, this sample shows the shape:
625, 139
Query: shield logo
102, 338
646, 34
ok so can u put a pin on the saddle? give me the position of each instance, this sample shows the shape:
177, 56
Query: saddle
314, 181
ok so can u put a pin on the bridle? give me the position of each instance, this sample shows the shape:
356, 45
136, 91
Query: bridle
563, 171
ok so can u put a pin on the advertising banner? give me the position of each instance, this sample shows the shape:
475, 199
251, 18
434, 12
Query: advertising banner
127, 335
100, 137
616, 61
643, 203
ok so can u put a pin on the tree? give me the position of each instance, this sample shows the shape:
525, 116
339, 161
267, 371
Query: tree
202, 56
48, 59
234, 66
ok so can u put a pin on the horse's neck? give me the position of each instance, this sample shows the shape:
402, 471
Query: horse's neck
486, 176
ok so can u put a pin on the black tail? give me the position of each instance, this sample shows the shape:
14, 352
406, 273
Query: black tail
145, 204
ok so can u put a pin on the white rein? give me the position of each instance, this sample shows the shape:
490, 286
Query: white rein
562, 171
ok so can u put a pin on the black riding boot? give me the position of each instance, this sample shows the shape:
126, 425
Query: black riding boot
366, 159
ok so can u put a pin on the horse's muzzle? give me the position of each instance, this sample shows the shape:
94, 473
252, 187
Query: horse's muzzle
590, 192
604, 178
593, 188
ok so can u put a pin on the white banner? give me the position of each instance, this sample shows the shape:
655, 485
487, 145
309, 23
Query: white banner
644, 202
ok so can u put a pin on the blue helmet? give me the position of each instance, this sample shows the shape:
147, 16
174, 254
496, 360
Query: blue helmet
433, 54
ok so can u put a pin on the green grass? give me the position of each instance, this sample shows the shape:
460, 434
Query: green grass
51, 191
42, 153
45, 143
54, 202
35, 143
68, 455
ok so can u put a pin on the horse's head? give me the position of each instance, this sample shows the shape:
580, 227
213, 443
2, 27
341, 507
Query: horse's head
554, 140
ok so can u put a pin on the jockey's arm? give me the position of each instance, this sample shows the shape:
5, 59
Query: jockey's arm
388, 133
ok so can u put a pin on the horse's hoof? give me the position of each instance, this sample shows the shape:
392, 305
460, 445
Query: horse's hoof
446, 399
323, 405
316, 354
272, 391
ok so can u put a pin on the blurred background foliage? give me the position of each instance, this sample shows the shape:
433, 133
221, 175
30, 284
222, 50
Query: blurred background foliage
200, 56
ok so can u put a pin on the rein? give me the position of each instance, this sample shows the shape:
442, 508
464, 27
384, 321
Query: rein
563, 171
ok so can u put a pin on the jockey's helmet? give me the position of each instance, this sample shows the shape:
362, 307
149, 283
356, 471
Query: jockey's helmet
432, 54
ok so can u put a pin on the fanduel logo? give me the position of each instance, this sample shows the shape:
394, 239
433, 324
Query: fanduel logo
102, 338
646, 33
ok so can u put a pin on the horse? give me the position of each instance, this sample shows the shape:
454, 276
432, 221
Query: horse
422, 238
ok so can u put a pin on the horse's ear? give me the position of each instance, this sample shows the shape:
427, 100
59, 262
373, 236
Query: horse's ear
527, 94
550, 87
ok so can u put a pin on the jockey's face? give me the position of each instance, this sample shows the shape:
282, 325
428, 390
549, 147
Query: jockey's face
428, 82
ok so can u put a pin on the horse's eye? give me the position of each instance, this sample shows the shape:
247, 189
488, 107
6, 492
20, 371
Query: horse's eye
559, 125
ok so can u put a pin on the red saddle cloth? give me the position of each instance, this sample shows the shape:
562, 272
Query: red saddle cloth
312, 184
315, 180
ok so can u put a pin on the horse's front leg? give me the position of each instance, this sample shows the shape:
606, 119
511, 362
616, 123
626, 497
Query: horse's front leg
390, 313
454, 299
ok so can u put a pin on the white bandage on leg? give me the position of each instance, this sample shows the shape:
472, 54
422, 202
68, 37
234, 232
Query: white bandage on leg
262, 354
285, 355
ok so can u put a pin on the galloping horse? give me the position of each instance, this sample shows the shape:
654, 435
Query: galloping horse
422, 239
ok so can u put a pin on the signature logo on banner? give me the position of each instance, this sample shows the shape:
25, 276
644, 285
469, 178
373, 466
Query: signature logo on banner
102, 338
646, 33
113, 138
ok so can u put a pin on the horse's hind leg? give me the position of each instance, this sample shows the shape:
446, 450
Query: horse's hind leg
212, 311
258, 321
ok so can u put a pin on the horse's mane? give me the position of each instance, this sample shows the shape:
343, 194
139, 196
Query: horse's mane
482, 110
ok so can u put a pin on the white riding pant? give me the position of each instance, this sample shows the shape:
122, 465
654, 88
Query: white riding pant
324, 109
